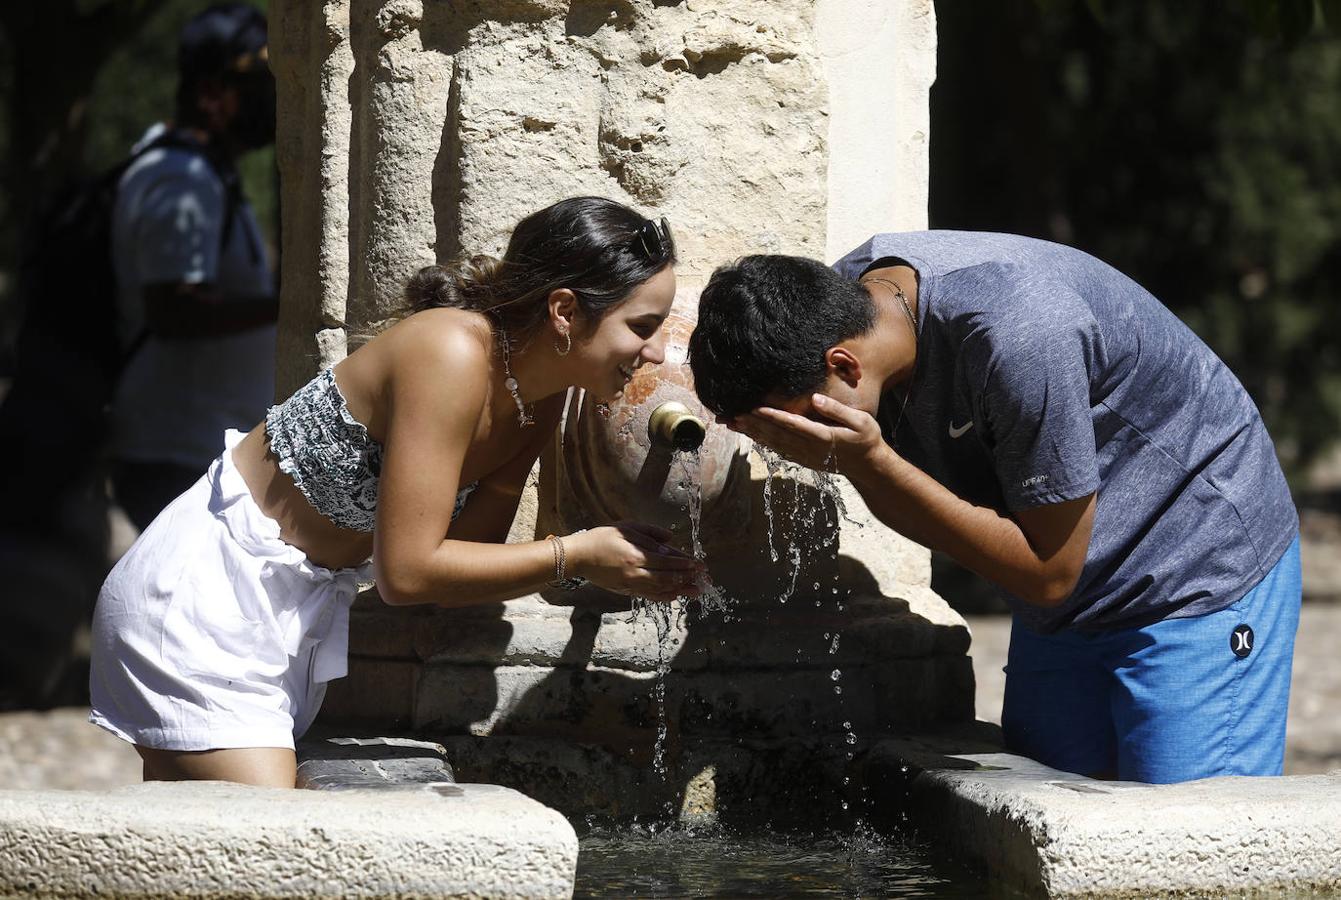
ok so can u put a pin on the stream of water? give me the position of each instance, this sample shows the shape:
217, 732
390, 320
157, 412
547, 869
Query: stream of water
686, 860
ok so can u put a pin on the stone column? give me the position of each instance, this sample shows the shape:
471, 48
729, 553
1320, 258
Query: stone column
413, 130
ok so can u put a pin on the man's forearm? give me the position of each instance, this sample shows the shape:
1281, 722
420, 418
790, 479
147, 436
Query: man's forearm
990, 543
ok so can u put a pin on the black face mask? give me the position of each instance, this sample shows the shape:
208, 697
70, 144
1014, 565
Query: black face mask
254, 126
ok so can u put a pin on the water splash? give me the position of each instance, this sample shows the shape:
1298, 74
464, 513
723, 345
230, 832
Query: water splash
665, 617
807, 518
710, 599
659, 745
773, 464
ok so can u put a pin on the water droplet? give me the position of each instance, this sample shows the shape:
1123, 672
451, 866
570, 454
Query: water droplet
835, 675
847, 725
838, 689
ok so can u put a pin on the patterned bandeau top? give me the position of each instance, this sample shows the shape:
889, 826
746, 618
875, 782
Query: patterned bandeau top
329, 454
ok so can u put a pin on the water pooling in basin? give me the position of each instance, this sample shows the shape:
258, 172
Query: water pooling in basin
680, 862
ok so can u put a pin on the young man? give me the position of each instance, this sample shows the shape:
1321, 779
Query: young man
197, 297
1044, 420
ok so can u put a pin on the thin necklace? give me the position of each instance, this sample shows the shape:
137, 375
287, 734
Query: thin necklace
511, 383
912, 323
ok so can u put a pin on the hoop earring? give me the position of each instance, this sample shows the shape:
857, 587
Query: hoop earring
568, 346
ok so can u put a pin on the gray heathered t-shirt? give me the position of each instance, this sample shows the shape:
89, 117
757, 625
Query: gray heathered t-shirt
1043, 375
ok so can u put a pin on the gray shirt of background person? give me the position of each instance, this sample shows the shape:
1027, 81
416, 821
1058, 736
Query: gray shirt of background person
176, 398
1044, 374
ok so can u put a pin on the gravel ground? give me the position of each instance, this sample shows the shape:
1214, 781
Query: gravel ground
59, 749
1313, 731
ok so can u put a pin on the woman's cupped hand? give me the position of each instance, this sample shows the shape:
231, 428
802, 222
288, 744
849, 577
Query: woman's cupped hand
635, 558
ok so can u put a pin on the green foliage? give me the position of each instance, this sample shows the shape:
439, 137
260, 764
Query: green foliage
1195, 146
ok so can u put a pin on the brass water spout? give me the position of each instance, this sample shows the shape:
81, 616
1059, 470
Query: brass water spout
673, 425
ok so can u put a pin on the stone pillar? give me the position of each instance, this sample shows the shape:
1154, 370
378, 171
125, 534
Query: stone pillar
412, 130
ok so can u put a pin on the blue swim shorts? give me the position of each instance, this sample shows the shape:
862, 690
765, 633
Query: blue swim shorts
1173, 701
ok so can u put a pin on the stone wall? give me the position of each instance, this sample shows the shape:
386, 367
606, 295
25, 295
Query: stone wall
415, 130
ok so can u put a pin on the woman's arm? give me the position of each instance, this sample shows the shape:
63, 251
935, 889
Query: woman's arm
434, 397
488, 514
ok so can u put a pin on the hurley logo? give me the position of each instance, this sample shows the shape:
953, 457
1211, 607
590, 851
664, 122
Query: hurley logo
1241, 641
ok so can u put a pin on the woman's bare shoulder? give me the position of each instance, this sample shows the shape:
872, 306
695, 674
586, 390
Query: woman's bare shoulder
455, 341
414, 359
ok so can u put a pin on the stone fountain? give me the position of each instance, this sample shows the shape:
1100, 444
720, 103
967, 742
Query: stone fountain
782, 126
410, 129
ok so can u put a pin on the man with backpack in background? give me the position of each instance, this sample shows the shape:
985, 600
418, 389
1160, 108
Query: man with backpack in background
149, 329
195, 292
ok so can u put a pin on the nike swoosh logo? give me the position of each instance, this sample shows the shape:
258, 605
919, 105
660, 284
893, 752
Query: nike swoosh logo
961, 430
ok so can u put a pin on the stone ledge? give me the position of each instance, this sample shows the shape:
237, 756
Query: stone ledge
1055, 834
214, 839
377, 763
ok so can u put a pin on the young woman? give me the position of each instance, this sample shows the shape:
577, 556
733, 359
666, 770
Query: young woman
215, 636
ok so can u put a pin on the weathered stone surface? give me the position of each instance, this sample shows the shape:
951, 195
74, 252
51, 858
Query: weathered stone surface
892, 562
214, 839
420, 130
620, 708
709, 113
737, 781
1056, 834
380, 631
879, 59
531, 631
380, 763
376, 691
313, 61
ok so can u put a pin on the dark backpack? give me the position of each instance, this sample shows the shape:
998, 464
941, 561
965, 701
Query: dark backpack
67, 356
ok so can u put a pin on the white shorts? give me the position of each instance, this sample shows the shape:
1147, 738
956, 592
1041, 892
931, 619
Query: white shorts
212, 632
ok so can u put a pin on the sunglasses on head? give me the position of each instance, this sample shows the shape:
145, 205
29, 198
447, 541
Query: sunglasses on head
654, 239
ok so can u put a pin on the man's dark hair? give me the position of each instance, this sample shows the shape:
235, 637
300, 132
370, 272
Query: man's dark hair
764, 324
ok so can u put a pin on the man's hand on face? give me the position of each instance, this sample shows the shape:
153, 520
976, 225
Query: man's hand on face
839, 438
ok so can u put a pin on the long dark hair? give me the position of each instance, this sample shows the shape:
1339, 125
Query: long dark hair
589, 245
